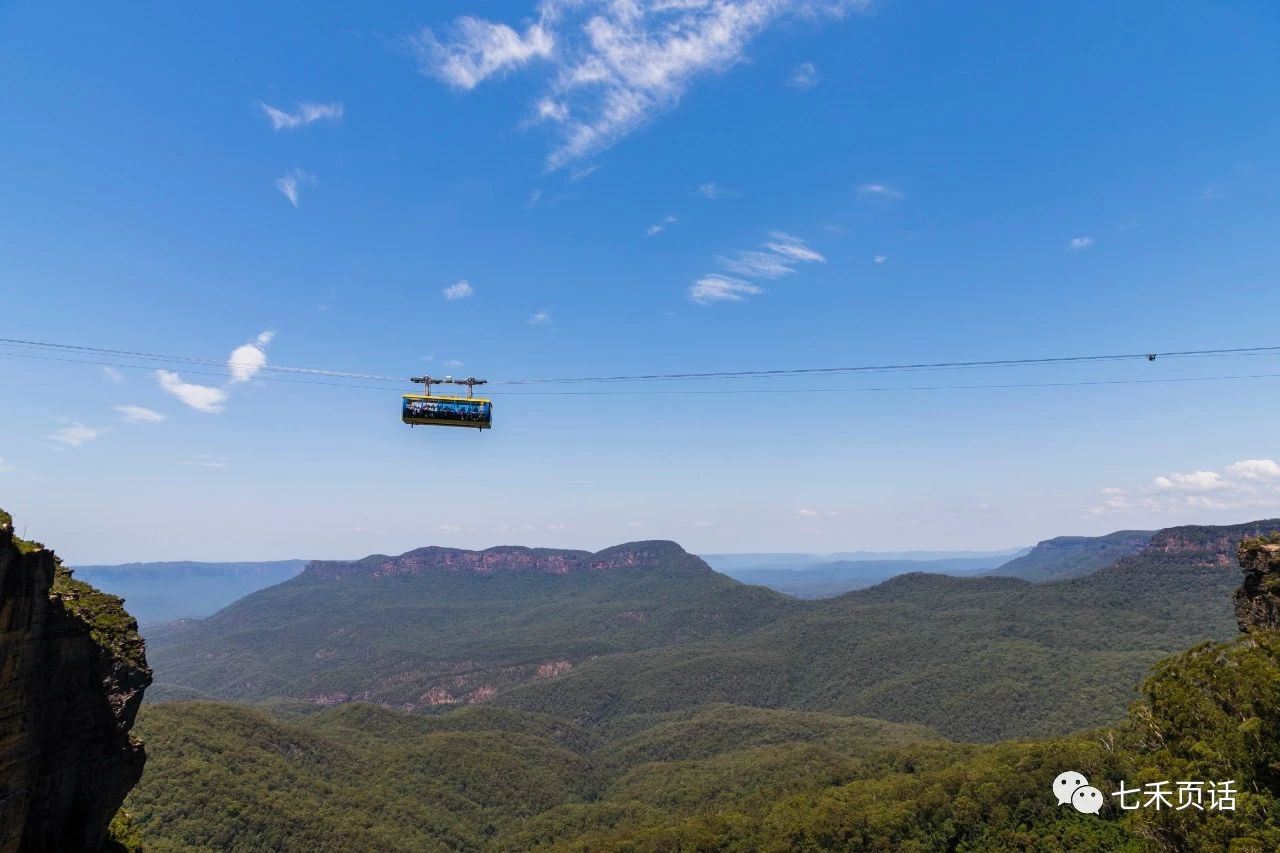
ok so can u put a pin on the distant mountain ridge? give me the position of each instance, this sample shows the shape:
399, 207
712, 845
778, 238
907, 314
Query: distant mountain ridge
1073, 556
634, 776
730, 562
825, 580
649, 627
440, 626
508, 558
163, 592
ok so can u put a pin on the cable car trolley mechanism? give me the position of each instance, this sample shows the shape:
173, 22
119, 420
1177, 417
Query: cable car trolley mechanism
439, 410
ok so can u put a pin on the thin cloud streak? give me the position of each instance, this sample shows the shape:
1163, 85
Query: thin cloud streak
76, 435
291, 182
878, 190
139, 415
302, 115
720, 288
660, 226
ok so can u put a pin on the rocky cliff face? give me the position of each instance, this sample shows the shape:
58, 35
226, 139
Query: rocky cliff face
1208, 546
1258, 598
72, 674
507, 559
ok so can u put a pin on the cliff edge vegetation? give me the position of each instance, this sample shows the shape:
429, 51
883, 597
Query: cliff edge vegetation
73, 669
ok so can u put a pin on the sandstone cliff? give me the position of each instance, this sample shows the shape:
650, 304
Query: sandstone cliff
72, 674
508, 559
1258, 598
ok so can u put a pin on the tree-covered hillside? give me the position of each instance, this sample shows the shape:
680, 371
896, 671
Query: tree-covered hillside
1073, 556
226, 777
974, 659
831, 578
719, 778
658, 631
616, 758
421, 630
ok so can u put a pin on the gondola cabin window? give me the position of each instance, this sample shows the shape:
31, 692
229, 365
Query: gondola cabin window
421, 410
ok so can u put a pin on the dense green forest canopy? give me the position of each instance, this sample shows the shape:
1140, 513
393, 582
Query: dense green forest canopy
971, 658
721, 777
782, 725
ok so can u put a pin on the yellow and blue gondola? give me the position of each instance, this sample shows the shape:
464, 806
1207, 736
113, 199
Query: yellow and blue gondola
425, 410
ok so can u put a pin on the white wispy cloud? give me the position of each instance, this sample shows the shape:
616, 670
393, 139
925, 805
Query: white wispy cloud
584, 172
775, 258
535, 196
112, 375
244, 362
713, 191
474, 50
75, 435
878, 190
139, 415
3, 466
203, 398
804, 76
549, 109
247, 359
757, 264
613, 64
458, 290
806, 511
880, 259
794, 248
453, 362
291, 183
659, 226
1249, 483
1080, 243
540, 318
302, 115
720, 288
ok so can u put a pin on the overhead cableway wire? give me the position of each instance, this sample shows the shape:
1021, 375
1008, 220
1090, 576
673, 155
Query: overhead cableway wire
902, 368
706, 376
699, 392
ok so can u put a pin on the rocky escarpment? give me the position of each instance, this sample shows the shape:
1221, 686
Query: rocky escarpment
509, 559
1208, 546
1073, 556
1258, 599
72, 674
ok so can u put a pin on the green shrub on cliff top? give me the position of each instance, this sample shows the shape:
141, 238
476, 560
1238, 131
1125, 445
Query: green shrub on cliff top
110, 625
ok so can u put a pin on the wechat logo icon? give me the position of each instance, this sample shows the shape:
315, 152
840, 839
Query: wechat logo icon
1072, 787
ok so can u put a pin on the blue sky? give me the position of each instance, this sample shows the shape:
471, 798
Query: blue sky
629, 188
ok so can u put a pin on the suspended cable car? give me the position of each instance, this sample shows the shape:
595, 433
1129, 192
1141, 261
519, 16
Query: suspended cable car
440, 410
